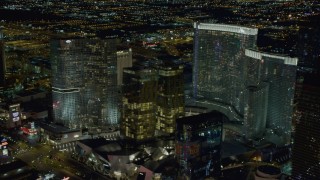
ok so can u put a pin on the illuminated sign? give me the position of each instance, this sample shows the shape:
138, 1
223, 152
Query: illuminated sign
192, 150
3, 147
15, 112
15, 116
28, 131
5, 152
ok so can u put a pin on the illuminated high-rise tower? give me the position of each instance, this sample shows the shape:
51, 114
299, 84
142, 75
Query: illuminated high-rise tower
2, 60
124, 59
170, 95
219, 69
84, 82
278, 72
153, 98
138, 120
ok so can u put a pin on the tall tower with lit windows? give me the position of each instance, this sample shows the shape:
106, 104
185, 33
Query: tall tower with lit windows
278, 73
219, 64
170, 95
138, 120
84, 82
124, 59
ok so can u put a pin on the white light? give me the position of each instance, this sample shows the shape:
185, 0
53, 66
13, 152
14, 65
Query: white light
68, 41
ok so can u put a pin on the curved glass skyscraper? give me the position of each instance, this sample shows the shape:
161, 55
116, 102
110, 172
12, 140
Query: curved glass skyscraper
220, 69
279, 73
246, 85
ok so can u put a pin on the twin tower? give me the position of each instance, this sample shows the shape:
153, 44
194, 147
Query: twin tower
230, 75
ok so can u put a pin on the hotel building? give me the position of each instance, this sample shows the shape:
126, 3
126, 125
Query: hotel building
84, 82
220, 69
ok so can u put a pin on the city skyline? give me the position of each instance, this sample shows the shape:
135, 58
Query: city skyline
153, 89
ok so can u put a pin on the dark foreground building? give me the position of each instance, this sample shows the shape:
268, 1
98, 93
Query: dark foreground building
198, 144
306, 148
2, 60
17, 170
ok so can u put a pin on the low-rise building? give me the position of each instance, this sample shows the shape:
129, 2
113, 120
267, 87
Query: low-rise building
57, 134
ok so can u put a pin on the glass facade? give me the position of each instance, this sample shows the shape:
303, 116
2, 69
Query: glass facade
139, 103
198, 144
220, 66
279, 72
124, 59
255, 115
170, 96
153, 96
84, 82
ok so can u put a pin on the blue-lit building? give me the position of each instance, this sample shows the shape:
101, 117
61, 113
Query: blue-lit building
84, 82
277, 73
246, 85
198, 144
219, 63
255, 116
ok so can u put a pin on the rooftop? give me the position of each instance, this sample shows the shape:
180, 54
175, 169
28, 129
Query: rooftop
212, 117
260, 55
227, 28
56, 128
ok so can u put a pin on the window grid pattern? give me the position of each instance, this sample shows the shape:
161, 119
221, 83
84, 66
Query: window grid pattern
220, 66
84, 80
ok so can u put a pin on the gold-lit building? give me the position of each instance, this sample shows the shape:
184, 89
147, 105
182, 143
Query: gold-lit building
170, 96
139, 103
153, 98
